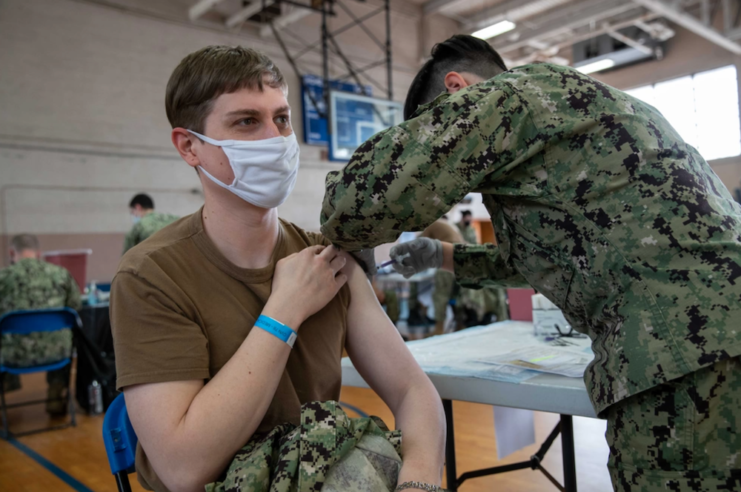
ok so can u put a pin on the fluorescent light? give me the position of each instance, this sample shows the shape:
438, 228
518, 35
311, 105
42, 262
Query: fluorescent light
494, 30
597, 66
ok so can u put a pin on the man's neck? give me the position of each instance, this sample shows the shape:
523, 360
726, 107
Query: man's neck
245, 234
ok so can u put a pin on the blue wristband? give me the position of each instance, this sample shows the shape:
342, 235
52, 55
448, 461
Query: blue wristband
277, 328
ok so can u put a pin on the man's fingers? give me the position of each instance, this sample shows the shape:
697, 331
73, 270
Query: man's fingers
329, 253
338, 263
340, 280
316, 249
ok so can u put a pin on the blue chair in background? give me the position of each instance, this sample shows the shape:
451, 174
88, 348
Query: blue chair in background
120, 442
23, 323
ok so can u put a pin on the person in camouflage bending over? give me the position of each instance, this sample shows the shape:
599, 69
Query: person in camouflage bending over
146, 220
30, 283
599, 204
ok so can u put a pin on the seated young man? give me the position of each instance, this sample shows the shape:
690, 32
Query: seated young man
191, 306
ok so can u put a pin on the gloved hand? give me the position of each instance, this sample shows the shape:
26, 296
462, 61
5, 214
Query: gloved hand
367, 260
416, 256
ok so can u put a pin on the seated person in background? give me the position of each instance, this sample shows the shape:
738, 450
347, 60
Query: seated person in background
31, 283
146, 220
444, 281
190, 307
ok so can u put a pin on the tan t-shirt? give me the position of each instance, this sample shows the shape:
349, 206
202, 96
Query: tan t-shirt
442, 231
180, 310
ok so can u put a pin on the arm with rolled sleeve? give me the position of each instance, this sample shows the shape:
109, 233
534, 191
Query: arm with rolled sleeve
406, 177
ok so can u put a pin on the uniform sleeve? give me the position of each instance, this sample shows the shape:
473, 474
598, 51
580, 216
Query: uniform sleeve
406, 177
131, 239
73, 294
153, 339
480, 265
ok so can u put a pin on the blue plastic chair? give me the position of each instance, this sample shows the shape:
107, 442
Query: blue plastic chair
120, 442
23, 323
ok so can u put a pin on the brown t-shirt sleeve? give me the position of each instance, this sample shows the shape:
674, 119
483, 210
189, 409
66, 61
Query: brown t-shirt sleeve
154, 340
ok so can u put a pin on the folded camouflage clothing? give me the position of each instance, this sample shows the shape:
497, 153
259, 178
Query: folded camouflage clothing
328, 451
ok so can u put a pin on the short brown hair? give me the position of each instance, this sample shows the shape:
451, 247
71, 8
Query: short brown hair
206, 74
23, 242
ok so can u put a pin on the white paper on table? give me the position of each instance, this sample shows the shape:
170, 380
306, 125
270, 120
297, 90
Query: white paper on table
515, 429
554, 360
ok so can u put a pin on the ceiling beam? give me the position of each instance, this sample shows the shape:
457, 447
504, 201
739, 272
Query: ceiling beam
440, 6
255, 7
201, 8
573, 17
512, 10
285, 20
690, 23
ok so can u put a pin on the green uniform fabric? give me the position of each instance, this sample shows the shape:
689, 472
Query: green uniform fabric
329, 451
148, 225
443, 293
489, 300
681, 436
468, 233
392, 305
596, 202
34, 284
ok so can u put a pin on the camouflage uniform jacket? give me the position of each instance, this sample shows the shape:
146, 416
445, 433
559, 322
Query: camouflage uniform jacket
596, 201
36, 284
329, 452
468, 233
148, 225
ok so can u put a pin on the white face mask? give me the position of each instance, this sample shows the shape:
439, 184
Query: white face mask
265, 171
135, 219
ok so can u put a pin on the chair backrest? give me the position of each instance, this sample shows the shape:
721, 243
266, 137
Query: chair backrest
119, 437
24, 322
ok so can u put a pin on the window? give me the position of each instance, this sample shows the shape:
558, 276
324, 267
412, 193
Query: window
703, 108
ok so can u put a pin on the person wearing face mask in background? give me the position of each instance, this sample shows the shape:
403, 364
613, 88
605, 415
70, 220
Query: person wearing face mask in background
146, 220
230, 321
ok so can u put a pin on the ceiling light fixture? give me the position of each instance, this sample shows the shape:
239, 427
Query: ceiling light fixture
494, 30
597, 66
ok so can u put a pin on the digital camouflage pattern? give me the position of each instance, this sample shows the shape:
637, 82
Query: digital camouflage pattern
36, 284
329, 451
681, 436
596, 202
148, 225
489, 300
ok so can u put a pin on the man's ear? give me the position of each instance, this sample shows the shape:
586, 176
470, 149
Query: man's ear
455, 82
184, 143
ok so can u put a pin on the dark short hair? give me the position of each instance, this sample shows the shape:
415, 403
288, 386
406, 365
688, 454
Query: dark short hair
142, 199
465, 212
461, 53
206, 74
23, 242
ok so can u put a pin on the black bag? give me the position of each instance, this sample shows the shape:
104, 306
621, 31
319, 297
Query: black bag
95, 361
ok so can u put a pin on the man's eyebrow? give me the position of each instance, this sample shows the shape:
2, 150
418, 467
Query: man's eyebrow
243, 112
282, 109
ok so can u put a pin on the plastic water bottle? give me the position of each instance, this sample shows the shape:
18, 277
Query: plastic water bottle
95, 398
92, 294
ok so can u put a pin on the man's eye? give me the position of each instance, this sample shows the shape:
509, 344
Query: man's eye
283, 120
248, 121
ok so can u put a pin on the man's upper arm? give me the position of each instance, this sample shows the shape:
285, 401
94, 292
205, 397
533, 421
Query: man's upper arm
479, 265
154, 340
405, 178
373, 342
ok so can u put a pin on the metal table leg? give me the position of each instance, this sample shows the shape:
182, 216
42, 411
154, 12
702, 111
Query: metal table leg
451, 473
567, 450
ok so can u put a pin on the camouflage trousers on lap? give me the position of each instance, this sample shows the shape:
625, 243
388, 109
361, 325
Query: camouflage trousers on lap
329, 451
682, 436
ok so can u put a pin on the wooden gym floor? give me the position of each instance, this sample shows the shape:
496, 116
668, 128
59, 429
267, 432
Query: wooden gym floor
78, 456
